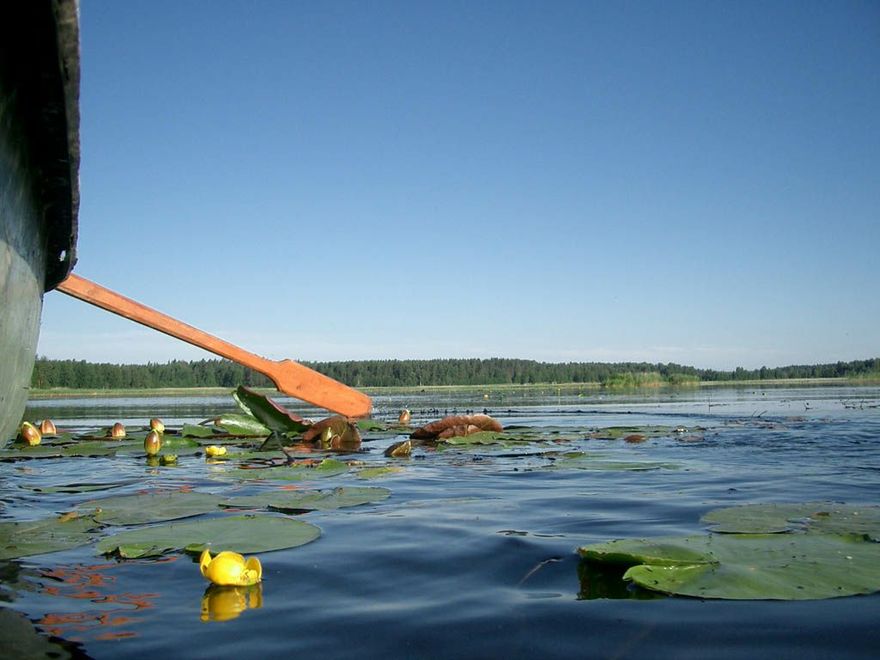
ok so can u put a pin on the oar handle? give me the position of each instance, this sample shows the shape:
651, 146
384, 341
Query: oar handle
289, 376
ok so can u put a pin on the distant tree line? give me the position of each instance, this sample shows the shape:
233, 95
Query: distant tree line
379, 373
80, 374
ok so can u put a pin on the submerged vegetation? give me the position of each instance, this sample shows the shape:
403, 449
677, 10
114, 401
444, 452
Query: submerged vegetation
79, 374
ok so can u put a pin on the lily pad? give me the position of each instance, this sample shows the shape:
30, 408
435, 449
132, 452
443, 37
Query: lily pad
815, 517
371, 425
75, 450
319, 500
22, 539
241, 425
75, 488
242, 534
749, 566
275, 416
328, 467
588, 461
378, 471
198, 431
151, 507
623, 432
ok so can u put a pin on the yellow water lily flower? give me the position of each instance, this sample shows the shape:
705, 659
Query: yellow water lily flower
230, 569
214, 450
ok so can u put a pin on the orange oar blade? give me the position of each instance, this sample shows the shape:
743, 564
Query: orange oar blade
290, 377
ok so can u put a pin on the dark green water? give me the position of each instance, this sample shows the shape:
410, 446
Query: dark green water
473, 555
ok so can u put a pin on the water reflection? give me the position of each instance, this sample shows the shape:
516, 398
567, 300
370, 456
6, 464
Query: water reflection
606, 581
111, 615
226, 603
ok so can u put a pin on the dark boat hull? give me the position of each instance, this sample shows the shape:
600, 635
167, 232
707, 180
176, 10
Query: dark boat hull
39, 162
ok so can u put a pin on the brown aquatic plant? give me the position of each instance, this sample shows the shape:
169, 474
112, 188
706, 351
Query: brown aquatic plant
157, 425
635, 438
117, 431
401, 449
404, 417
29, 434
47, 427
456, 426
337, 432
153, 443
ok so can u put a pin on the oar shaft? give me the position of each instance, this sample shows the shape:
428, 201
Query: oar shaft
100, 296
289, 376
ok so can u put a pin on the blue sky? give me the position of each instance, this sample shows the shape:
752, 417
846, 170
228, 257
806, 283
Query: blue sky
695, 182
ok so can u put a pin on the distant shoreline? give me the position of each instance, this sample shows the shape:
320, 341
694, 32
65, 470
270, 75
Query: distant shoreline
65, 393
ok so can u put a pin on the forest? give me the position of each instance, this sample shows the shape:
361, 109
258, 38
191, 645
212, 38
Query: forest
79, 374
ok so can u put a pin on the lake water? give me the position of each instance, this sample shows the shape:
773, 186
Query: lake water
474, 553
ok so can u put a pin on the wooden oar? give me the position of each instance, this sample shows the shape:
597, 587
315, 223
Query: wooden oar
289, 377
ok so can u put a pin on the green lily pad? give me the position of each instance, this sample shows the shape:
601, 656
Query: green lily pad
241, 425
75, 450
620, 432
592, 461
82, 488
478, 438
814, 517
22, 539
292, 502
378, 471
242, 534
19, 452
151, 507
371, 425
329, 467
750, 566
198, 431
275, 417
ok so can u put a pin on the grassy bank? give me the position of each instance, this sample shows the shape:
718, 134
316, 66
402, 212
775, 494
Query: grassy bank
616, 386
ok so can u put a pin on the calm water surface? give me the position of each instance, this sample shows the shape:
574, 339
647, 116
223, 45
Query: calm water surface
473, 555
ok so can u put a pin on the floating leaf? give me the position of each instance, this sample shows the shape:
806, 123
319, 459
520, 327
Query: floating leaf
318, 500
178, 443
241, 425
371, 425
379, 471
75, 450
634, 433
198, 431
821, 517
151, 507
82, 488
276, 417
22, 539
749, 566
587, 461
242, 534
478, 438
329, 467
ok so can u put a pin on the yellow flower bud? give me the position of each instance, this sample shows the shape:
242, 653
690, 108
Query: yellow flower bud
152, 443
47, 427
30, 434
117, 432
214, 450
157, 425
